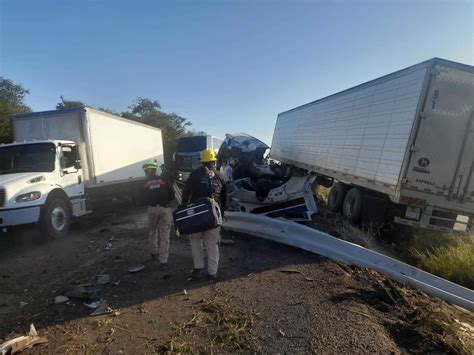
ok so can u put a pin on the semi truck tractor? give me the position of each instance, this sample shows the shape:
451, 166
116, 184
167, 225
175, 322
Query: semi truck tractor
399, 147
65, 162
188, 153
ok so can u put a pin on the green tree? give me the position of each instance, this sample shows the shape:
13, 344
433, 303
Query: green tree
195, 132
172, 125
12, 102
68, 104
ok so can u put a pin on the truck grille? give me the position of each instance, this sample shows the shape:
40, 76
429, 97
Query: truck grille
2, 197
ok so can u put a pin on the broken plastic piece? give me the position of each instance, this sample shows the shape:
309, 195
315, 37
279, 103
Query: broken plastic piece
102, 308
103, 279
92, 305
136, 268
60, 299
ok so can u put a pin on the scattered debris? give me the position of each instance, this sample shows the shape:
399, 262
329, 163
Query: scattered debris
103, 279
227, 242
281, 332
116, 283
185, 292
102, 308
21, 343
308, 279
23, 304
92, 305
103, 230
60, 299
136, 268
111, 239
108, 246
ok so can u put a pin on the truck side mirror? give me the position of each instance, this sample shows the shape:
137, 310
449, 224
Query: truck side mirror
78, 164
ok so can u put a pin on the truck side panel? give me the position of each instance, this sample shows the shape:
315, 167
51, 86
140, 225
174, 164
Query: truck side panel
359, 135
120, 147
441, 164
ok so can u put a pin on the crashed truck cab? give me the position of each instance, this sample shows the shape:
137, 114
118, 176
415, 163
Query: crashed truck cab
40, 181
265, 187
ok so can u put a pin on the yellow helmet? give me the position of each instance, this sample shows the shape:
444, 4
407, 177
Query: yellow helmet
208, 155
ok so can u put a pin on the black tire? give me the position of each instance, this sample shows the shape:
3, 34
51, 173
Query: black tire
336, 196
352, 206
55, 218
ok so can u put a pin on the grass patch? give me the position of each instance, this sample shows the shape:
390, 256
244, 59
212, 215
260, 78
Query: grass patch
361, 236
216, 327
450, 256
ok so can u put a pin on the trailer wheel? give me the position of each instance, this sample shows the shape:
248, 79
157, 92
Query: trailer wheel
352, 207
55, 218
336, 196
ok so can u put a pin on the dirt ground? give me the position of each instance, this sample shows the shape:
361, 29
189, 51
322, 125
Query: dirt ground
269, 298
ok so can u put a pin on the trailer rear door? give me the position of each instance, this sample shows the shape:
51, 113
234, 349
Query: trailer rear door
443, 150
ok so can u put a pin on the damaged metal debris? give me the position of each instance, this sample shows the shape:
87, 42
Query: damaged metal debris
263, 186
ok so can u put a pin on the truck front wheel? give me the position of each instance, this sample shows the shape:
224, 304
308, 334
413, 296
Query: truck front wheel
55, 218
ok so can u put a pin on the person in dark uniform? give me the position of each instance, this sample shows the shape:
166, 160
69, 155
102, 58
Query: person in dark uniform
157, 195
204, 182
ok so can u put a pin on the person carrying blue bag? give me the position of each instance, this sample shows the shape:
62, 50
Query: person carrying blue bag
206, 182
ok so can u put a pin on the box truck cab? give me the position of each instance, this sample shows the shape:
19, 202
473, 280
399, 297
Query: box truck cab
42, 182
189, 151
67, 162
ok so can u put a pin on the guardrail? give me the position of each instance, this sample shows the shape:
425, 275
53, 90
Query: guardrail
303, 237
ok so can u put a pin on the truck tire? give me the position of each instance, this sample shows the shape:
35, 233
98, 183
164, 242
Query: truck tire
352, 206
336, 196
55, 218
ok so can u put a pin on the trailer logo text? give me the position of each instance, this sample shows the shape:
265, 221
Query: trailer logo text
422, 164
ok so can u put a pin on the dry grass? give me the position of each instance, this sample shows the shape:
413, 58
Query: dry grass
348, 232
213, 329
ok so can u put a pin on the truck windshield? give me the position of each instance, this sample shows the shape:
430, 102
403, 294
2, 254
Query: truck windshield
192, 144
23, 158
187, 162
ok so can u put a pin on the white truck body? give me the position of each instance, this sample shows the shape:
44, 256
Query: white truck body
408, 135
112, 148
77, 155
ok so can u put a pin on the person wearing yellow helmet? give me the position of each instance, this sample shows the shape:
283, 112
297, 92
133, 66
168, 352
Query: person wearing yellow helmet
206, 182
158, 193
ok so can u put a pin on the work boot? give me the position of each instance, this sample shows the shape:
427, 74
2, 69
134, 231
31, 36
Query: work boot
164, 266
212, 277
195, 274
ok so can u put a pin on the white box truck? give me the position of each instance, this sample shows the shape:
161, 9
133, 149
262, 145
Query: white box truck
65, 160
400, 146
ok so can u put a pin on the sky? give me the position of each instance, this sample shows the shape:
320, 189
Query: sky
227, 66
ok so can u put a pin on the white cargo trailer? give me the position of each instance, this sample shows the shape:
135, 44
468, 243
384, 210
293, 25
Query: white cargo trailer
401, 146
65, 160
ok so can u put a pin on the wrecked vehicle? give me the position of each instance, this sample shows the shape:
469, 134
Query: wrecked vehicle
262, 186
